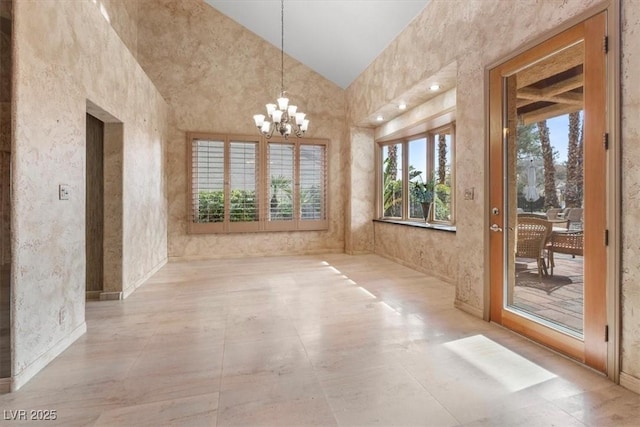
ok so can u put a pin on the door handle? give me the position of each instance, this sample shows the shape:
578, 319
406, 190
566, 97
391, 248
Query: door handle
495, 228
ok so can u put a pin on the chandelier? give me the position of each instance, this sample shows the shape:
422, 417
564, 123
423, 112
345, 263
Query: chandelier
286, 118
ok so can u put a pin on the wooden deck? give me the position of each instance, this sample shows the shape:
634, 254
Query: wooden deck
557, 298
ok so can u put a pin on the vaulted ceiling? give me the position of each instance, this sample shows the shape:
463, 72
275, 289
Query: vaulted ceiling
336, 38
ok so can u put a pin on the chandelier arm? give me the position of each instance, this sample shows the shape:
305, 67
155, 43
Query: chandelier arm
269, 134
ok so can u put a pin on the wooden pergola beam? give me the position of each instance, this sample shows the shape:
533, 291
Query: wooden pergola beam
529, 95
566, 85
548, 112
526, 98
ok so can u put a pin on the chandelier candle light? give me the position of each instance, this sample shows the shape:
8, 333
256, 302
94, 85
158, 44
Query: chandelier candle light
286, 118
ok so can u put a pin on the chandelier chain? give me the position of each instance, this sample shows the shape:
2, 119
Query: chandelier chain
286, 119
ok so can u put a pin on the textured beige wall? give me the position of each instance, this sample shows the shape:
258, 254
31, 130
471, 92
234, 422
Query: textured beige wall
428, 251
631, 190
66, 53
215, 76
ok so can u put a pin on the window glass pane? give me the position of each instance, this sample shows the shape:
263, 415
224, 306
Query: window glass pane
442, 174
281, 161
243, 168
312, 182
392, 180
419, 188
207, 181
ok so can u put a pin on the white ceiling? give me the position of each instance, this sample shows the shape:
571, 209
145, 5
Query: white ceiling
336, 38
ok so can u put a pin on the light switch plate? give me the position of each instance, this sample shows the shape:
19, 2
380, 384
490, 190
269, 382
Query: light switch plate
468, 193
63, 192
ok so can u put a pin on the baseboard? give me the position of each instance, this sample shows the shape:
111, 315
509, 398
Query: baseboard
37, 365
358, 252
5, 385
186, 258
131, 289
630, 382
92, 295
474, 311
415, 267
110, 296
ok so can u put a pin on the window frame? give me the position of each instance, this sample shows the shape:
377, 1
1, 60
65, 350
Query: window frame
431, 160
263, 224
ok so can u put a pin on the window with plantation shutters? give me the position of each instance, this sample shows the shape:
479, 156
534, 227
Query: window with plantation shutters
245, 184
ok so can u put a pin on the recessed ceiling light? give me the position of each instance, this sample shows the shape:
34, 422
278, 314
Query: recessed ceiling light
379, 118
402, 106
434, 87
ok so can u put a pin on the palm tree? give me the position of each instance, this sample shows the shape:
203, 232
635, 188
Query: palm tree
572, 196
442, 158
580, 165
392, 187
283, 208
550, 196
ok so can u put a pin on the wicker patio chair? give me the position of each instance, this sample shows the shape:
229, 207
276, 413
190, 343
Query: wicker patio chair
574, 219
571, 242
532, 234
552, 213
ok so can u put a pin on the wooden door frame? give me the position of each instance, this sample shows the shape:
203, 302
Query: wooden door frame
613, 184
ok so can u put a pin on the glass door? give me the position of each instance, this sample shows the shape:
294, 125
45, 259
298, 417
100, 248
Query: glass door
548, 178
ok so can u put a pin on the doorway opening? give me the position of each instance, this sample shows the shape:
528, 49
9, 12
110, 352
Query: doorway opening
94, 207
104, 204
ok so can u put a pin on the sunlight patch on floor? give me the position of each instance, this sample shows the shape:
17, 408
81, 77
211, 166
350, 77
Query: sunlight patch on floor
510, 369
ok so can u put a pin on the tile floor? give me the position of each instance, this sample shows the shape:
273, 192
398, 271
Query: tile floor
316, 340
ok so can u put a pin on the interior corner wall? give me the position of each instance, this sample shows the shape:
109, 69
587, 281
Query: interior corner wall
215, 75
477, 34
123, 17
361, 198
66, 53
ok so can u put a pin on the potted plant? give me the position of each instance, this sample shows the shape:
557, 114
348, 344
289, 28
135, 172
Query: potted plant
423, 193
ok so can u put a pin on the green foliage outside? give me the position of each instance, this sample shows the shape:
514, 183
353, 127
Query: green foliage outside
419, 192
311, 203
211, 206
442, 202
281, 203
392, 197
244, 207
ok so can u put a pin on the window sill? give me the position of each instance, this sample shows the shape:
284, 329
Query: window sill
419, 224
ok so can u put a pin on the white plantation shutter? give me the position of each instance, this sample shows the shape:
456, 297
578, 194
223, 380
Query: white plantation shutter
207, 181
243, 176
281, 169
313, 182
